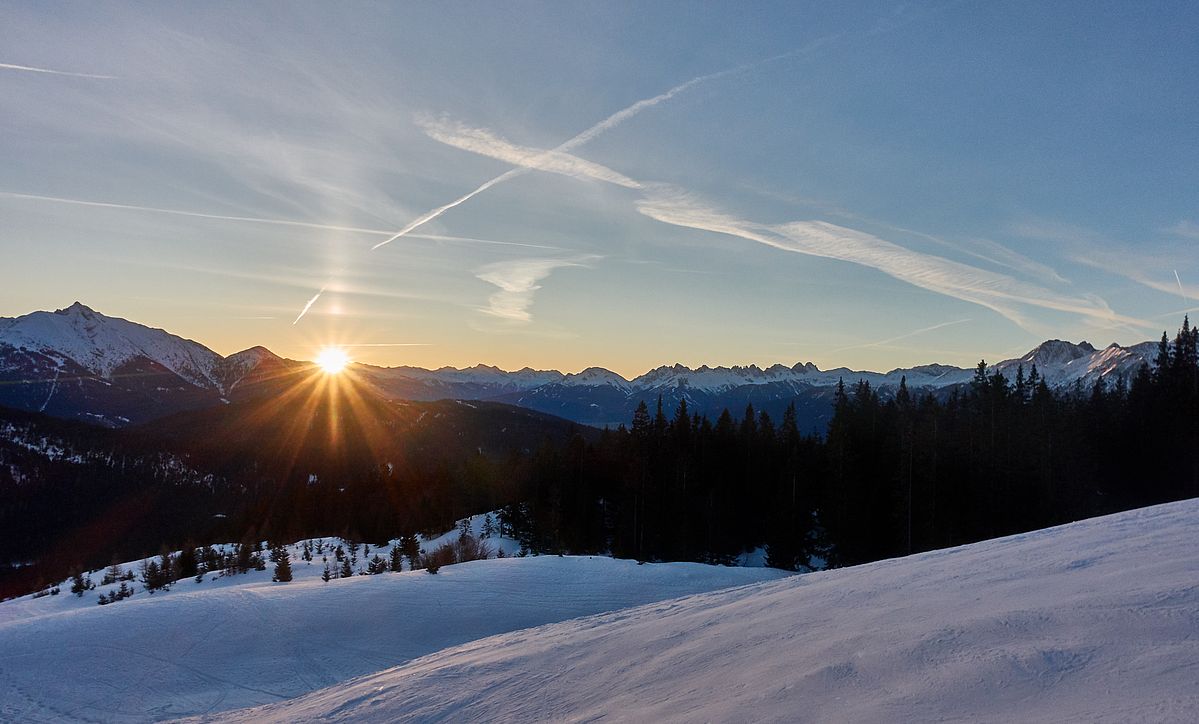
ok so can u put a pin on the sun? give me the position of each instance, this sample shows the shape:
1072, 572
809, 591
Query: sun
332, 360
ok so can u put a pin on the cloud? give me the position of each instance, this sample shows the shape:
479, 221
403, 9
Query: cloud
998, 292
486, 143
32, 69
518, 281
260, 220
603, 126
1186, 228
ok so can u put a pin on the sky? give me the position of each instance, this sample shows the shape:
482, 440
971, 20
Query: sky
625, 185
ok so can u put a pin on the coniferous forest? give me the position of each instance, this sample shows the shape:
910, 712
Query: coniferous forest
893, 475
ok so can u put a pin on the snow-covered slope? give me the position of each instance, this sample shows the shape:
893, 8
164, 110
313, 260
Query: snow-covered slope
103, 344
240, 641
1095, 621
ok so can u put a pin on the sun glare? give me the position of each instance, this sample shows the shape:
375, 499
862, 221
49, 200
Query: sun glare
332, 360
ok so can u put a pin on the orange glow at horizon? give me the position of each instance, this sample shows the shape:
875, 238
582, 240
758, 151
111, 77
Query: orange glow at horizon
332, 360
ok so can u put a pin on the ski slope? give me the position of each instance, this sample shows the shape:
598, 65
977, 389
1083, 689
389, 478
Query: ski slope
241, 640
1094, 621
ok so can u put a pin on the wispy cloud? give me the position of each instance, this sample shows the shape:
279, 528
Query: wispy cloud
998, 292
583, 137
518, 280
1186, 228
276, 222
486, 143
33, 69
308, 306
1146, 269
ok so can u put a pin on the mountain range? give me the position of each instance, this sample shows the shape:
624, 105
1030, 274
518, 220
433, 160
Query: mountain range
76, 363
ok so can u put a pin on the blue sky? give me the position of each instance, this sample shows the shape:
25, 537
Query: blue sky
868, 184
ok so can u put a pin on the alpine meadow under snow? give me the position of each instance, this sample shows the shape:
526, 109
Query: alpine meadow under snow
1092, 621
1043, 626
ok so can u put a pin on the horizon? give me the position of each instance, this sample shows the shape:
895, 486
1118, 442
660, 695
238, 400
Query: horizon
559, 186
316, 352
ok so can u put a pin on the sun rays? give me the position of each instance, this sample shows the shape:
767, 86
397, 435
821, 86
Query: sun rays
332, 360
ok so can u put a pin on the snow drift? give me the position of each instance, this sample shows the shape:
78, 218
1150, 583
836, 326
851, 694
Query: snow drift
1094, 621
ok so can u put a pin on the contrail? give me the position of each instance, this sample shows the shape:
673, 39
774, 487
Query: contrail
260, 220
31, 69
308, 305
605, 125
1181, 293
882, 342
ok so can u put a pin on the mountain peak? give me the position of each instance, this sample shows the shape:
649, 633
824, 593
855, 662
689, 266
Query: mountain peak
78, 309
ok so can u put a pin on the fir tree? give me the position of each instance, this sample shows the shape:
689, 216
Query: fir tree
282, 565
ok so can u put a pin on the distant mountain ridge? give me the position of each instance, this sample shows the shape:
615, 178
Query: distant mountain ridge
78, 363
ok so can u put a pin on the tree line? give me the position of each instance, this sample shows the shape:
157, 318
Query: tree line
894, 474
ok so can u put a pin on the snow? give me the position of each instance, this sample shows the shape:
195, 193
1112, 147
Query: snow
102, 344
241, 640
1093, 621
596, 377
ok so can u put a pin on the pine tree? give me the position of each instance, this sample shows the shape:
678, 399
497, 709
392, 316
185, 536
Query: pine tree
346, 571
376, 565
282, 564
397, 558
326, 575
80, 583
186, 564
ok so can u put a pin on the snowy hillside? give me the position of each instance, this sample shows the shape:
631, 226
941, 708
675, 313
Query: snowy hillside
242, 640
103, 344
1094, 621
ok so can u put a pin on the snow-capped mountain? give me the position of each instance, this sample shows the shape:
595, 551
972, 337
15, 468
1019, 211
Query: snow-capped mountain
103, 345
1062, 363
75, 362
78, 363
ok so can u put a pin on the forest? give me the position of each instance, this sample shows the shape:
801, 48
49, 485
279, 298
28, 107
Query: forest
894, 474
891, 477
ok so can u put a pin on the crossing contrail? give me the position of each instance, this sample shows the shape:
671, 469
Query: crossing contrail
607, 124
1181, 293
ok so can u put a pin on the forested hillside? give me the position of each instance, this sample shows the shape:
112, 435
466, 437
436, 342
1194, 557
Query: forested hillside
891, 477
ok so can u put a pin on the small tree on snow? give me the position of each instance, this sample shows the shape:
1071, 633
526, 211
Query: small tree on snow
376, 565
282, 565
80, 583
397, 558
326, 575
346, 571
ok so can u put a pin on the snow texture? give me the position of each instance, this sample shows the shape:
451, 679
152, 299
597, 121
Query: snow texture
1094, 621
241, 640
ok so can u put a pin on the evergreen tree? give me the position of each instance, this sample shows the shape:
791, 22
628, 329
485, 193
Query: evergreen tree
397, 558
326, 575
80, 583
282, 564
